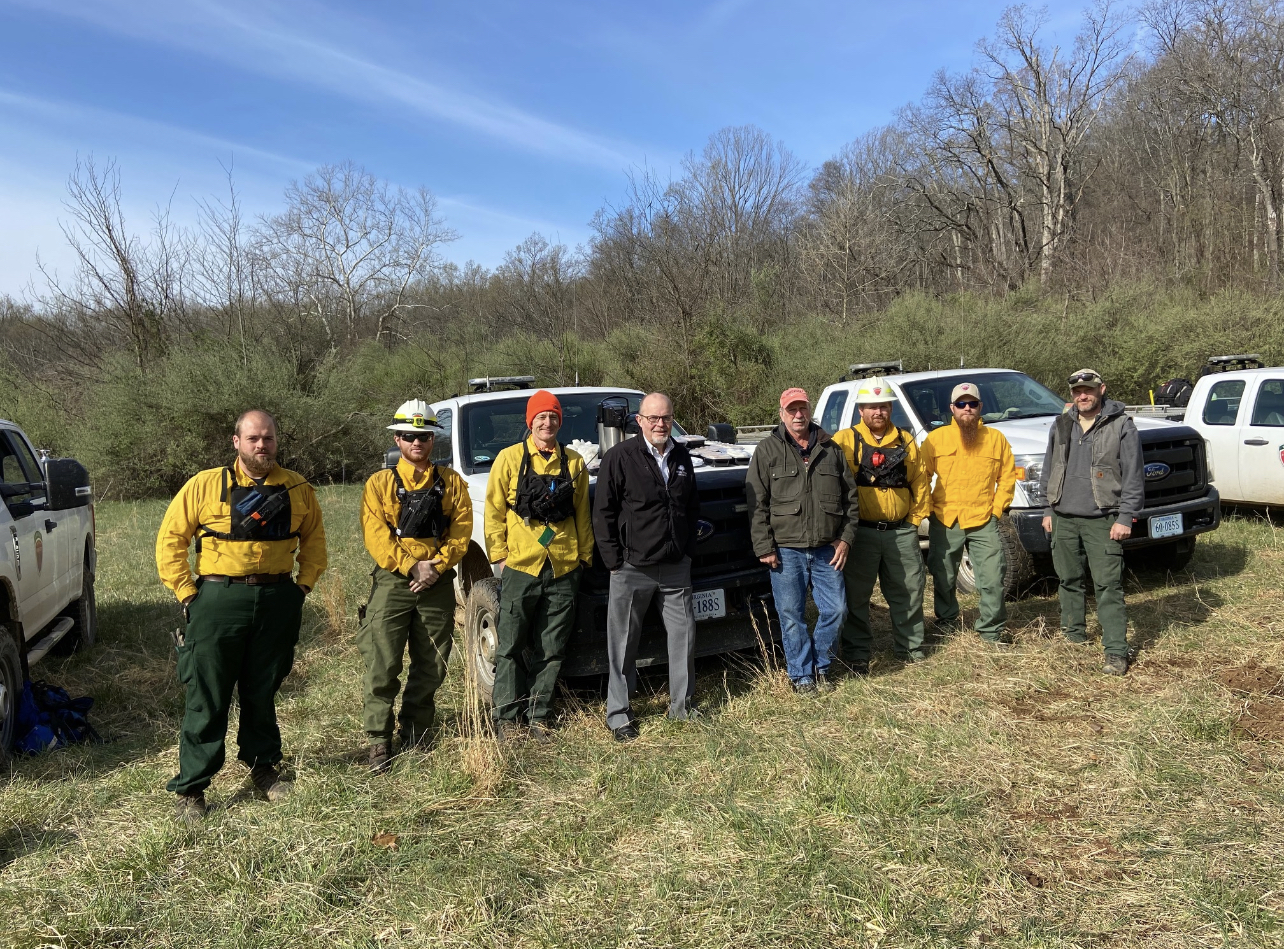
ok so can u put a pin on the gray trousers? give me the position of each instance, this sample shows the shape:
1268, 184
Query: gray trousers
632, 589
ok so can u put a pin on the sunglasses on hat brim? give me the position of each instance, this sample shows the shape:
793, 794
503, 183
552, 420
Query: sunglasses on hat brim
1085, 379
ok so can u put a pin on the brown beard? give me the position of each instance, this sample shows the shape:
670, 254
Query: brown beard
968, 432
253, 467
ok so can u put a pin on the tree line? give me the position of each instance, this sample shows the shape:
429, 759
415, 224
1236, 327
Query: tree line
1114, 202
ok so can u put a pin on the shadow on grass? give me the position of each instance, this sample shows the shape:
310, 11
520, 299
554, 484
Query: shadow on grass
21, 840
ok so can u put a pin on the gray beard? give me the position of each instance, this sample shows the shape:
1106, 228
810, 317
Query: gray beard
968, 433
253, 467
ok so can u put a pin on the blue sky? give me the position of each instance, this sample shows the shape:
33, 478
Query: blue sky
519, 116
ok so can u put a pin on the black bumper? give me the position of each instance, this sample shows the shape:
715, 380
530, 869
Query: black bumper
750, 619
1198, 515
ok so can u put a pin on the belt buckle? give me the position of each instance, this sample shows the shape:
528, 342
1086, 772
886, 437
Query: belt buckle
883, 525
252, 579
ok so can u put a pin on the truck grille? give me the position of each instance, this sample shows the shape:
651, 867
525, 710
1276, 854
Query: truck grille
1187, 476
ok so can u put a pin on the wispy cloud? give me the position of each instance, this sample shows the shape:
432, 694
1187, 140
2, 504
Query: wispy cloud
301, 43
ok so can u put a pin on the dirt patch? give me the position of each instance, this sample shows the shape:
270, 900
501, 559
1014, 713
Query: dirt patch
1252, 679
1262, 719
1053, 707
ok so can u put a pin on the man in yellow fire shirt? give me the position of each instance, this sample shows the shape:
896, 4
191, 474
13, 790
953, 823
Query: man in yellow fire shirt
250, 520
416, 519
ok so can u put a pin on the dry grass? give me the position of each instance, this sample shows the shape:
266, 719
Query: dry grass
972, 800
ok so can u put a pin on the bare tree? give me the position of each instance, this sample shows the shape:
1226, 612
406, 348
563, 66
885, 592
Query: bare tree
349, 248
130, 289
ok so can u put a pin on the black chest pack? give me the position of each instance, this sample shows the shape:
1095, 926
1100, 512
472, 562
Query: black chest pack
548, 498
258, 512
422, 516
882, 467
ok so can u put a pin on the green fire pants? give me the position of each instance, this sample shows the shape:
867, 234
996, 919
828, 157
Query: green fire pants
243, 636
395, 618
985, 549
1081, 545
536, 618
891, 558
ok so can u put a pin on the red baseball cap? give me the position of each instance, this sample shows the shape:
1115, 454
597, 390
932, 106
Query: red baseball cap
790, 396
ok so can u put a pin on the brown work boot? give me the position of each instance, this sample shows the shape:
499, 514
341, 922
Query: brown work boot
542, 733
508, 733
269, 783
190, 809
380, 756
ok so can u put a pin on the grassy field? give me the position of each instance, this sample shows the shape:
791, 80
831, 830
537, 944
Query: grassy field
974, 800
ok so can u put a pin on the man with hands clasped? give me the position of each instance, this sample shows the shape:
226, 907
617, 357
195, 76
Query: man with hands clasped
416, 519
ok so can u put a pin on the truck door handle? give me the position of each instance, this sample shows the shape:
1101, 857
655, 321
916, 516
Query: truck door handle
50, 525
1256, 441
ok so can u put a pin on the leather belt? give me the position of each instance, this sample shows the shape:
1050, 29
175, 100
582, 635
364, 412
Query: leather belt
882, 525
253, 579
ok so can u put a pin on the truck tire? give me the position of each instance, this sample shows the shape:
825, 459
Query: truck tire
10, 691
472, 568
1021, 568
1167, 558
481, 637
84, 612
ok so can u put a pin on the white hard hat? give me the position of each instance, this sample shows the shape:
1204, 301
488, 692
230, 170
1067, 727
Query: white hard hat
874, 390
415, 416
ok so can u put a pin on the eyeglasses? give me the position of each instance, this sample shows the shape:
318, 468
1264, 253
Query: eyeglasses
657, 419
805, 410
966, 404
416, 436
1081, 377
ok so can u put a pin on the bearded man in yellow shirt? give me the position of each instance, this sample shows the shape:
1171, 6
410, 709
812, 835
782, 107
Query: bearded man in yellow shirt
251, 520
416, 519
975, 481
538, 534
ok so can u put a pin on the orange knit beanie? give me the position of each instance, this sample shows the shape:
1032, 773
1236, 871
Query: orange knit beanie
542, 401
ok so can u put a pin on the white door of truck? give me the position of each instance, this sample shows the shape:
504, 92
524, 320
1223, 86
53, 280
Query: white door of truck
1219, 423
1261, 443
36, 566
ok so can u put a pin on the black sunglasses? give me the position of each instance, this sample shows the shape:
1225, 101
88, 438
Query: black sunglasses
1079, 377
966, 404
416, 436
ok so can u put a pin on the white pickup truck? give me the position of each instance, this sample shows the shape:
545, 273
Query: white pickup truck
1180, 501
47, 564
1240, 414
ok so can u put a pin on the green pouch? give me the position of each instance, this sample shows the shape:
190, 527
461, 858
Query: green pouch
546, 536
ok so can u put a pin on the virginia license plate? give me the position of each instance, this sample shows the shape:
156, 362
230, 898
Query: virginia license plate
1169, 525
709, 604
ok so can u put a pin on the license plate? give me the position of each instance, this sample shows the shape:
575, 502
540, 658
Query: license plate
709, 604
1169, 525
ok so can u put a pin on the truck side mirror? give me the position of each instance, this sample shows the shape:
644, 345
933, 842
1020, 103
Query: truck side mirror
722, 432
67, 484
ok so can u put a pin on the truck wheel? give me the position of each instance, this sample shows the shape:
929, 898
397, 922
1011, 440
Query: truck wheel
1021, 569
84, 612
10, 691
481, 637
1167, 557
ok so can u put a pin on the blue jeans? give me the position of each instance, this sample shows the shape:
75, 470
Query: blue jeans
800, 567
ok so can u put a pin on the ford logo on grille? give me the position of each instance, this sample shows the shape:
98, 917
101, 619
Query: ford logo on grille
1157, 471
704, 530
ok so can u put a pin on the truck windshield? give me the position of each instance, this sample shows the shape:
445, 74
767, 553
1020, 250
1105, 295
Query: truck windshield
1004, 395
487, 428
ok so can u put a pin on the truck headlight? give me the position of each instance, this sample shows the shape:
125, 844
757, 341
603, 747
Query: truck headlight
1029, 468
